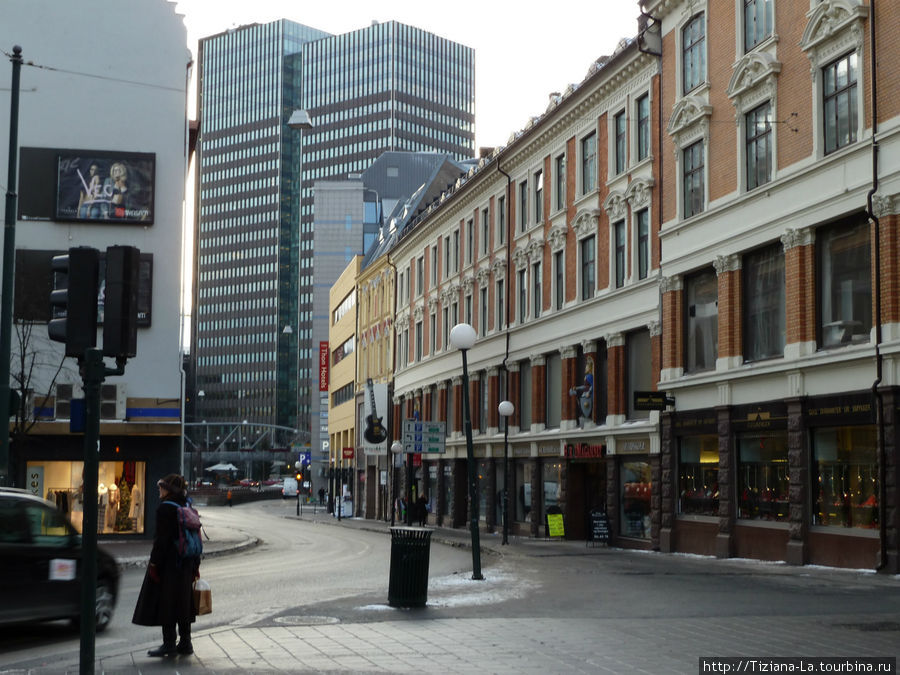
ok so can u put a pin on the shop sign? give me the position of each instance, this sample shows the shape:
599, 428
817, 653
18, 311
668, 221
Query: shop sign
759, 417
599, 527
841, 410
652, 400
699, 422
548, 451
347, 453
323, 366
632, 446
585, 450
521, 451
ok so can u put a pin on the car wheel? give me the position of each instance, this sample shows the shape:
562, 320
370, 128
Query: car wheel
105, 605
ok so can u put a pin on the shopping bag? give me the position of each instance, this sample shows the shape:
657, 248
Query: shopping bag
202, 597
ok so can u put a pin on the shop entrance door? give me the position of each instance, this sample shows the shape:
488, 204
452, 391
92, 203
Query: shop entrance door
586, 493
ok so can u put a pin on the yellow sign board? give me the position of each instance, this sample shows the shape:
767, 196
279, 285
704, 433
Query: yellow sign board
555, 527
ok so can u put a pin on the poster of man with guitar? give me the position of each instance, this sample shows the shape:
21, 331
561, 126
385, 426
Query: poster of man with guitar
375, 433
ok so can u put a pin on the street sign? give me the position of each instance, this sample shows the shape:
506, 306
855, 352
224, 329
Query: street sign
347, 453
427, 437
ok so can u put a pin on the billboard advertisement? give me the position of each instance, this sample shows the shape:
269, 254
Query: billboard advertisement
105, 187
375, 412
323, 366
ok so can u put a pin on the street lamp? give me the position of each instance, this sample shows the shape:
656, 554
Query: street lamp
462, 337
299, 466
396, 449
506, 409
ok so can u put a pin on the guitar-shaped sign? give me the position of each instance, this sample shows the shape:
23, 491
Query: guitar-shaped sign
375, 432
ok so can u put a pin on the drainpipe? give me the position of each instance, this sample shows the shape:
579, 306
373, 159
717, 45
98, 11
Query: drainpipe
508, 278
879, 402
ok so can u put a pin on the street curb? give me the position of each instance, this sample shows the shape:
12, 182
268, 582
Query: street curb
142, 561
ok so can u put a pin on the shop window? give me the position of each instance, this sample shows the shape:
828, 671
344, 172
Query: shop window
845, 463
764, 304
431, 488
550, 482
845, 284
698, 476
702, 321
763, 477
635, 486
524, 471
121, 491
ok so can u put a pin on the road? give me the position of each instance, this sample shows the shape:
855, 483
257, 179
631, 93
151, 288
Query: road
319, 591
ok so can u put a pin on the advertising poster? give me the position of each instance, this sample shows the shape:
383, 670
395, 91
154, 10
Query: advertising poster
105, 187
375, 413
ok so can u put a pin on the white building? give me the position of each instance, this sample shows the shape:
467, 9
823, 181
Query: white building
104, 86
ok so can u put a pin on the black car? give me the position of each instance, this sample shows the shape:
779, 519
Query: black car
40, 564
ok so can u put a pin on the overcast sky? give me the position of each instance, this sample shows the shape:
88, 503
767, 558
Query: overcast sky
521, 55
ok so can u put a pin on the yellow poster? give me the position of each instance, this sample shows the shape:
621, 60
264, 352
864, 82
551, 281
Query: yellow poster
555, 525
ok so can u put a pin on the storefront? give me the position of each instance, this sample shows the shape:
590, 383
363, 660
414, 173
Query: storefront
586, 485
52, 468
635, 487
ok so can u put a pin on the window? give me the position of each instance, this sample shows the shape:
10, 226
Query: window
445, 315
468, 308
702, 321
619, 236
420, 275
455, 251
588, 163
559, 265
432, 333
538, 196
587, 268
560, 182
470, 241
844, 284
523, 296
418, 340
483, 312
485, 231
757, 22
636, 486
501, 304
763, 478
764, 305
536, 290
840, 104
643, 127
638, 370
434, 264
643, 243
501, 220
447, 256
523, 206
845, 469
693, 54
454, 315
402, 284
698, 475
758, 131
621, 138
553, 394
692, 179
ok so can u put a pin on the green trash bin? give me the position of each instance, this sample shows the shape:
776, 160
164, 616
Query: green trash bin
410, 550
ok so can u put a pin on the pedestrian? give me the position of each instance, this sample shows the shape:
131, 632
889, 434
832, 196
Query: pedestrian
422, 509
167, 595
228, 498
321, 496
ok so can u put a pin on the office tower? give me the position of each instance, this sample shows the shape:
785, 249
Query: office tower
384, 87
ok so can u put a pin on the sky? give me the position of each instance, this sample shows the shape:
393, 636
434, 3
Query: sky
521, 55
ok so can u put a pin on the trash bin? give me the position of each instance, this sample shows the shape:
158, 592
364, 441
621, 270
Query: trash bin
410, 550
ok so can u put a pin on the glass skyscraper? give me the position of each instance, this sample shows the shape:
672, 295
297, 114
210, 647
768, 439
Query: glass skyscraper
385, 87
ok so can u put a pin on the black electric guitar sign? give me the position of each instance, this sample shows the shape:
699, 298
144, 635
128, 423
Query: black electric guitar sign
375, 432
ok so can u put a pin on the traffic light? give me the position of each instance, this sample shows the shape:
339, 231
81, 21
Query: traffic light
299, 477
120, 302
73, 302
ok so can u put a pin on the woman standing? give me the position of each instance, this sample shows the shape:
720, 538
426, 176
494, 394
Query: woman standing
167, 596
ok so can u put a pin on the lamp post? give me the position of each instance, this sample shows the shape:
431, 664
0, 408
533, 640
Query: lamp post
462, 337
298, 465
396, 449
506, 409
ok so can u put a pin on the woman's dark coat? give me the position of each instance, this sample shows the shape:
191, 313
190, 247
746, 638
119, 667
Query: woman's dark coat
171, 600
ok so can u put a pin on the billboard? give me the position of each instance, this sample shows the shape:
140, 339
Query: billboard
100, 186
323, 366
375, 411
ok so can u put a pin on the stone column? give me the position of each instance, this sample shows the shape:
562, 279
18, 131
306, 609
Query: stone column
725, 537
891, 490
800, 292
569, 357
797, 552
615, 358
728, 269
667, 495
672, 326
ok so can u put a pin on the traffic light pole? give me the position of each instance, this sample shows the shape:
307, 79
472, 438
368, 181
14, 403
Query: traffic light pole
9, 262
93, 372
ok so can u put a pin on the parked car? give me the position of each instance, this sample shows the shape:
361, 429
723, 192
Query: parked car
40, 564
249, 482
290, 488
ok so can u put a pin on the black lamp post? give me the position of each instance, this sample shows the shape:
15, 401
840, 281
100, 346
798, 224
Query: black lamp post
462, 337
396, 449
506, 409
